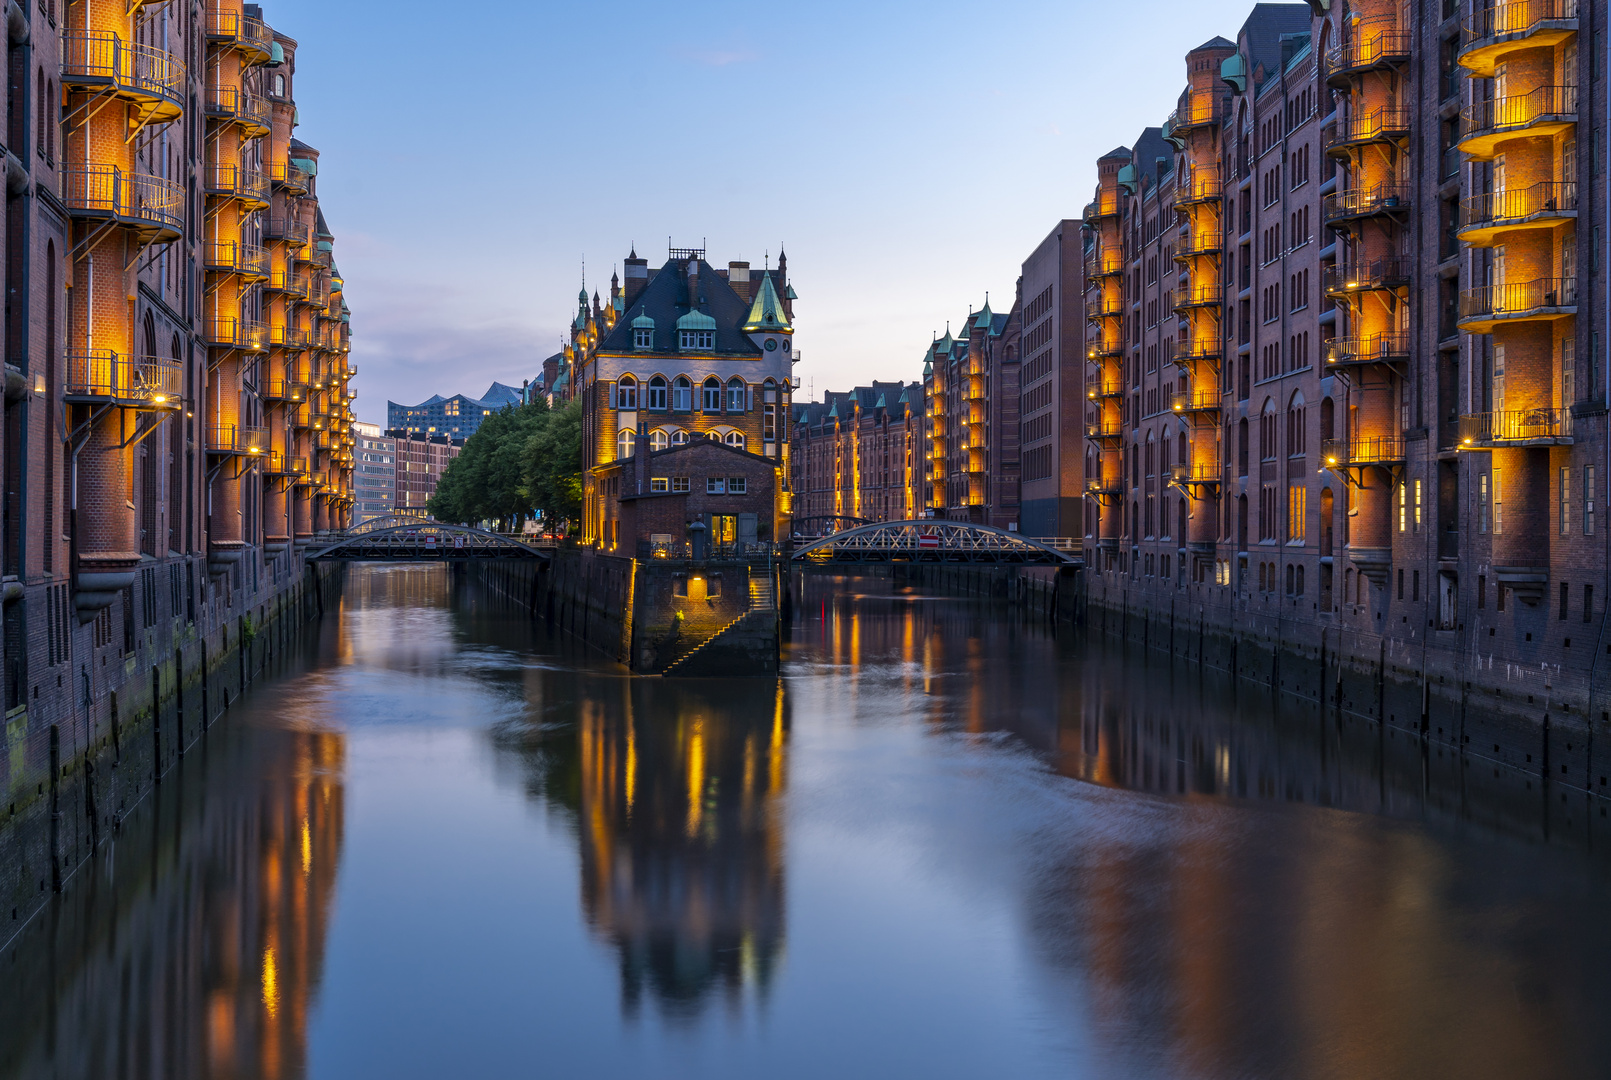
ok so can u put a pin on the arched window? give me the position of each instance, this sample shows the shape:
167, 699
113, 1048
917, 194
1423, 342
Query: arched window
39, 115
682, 395
1241, 447
657, 438
624, 442
657, 394
279, 86
1297, 425
626, 393
735, 439
1267, 431
679, 438
710, 398
735, 394
52, 118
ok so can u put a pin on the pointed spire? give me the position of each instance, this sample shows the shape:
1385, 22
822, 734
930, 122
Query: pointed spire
766, 313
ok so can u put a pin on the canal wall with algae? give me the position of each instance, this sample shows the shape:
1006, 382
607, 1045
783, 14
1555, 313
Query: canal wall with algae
140, 705
1527, 724
657, 616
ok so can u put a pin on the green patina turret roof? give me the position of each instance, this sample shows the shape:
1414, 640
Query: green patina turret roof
696, 320
643, 322
767, 312
983, 319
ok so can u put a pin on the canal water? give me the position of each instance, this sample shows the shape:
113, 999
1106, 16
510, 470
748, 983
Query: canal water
947, 842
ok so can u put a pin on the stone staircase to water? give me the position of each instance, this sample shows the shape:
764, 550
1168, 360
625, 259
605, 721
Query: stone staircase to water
762, 615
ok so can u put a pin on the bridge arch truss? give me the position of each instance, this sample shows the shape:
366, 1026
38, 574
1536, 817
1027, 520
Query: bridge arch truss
426, 542
933, 541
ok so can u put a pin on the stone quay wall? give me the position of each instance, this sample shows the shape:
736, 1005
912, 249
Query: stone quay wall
77, 763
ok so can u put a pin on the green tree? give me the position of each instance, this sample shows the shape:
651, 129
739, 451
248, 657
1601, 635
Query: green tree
489, 481
553, 465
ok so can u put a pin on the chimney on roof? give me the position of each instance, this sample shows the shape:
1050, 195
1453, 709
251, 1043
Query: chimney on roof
693, 284
637, 276
738, 276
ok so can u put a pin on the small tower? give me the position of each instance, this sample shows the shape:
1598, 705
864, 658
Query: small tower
769, 325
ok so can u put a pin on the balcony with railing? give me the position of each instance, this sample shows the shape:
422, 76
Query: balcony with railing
1542, 111
1382, 125
1105, 430
1105, 205
228, 332
104, 377
1371, 48
226, 180
1195, 401
1545, 299
237, 439
1516, 428
1375, 275
1204, 186
289, 177
150, 79
231, 104
1104, 487
1199, 243
1103, 264
1488, 217
1490, 32
1390, 200
1201, 351
1196, 474
289, 282
1362, 450
288, 337
1104, 305
286, 390
150, 205
1105, 388
1201, 296
288, 229
1102, 350
240, 31
234, 257
1197, 108
1388, 347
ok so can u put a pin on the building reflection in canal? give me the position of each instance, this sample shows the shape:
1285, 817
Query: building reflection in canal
193, 946
674, 787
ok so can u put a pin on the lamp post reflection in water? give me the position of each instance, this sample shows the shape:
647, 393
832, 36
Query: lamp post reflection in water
212, 906
675, 789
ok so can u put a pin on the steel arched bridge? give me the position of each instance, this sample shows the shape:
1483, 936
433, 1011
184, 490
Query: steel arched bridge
936, 542
425, 541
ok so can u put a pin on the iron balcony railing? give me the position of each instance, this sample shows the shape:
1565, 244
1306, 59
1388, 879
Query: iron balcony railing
1101, 485
288, 337
1392, 272
1104, 306
1108, 388
1382, 124
1385, 347
1362, 450
1097, 350
1203, 296
1203, 186
1201, 242
237, 439
1519, 299
101, 58
1185, 401
1367, 202
1519, 111
1517, 19
1548, 198
287, 390
1208, 349
1104, 264
289, 281
235, 257
1104, 429
1106, 204
1196, 108
284, 228
242, 31
149, 203
231, 333
1194, 473
228, 180
1370, 47
284, 174
231, 102
1515, 426
142, 382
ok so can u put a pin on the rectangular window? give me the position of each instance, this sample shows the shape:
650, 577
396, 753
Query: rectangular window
1588, 500
1566, 504
659, 483
1418, 506
737, 485
1403, 509
1296, 513
715, 485
1566, 600
680, 483
1482, 503
643, 339
1499, 511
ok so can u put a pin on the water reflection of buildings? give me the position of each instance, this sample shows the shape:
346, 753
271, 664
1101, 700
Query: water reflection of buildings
195, 947
674, 787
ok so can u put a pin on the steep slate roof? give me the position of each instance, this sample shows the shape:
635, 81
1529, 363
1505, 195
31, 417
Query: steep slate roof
665, 300
1263, 30
1215, 42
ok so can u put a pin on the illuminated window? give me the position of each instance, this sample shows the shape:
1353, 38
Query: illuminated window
659, 483
679, 438
735, 438
680, 483
1499, 505
658, 439
624, 442
1296, 506
1482, 502
1566, 501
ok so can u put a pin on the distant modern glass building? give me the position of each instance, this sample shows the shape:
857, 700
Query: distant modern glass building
458, 417
374, 473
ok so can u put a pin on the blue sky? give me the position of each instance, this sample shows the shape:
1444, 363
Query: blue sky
909, 155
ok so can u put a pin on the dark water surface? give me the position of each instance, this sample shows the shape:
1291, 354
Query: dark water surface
944, 844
